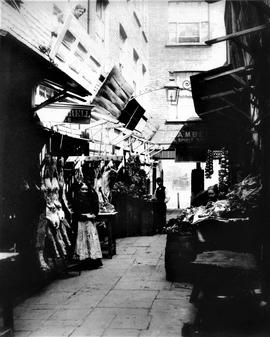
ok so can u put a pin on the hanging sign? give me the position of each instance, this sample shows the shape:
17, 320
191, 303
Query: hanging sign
192, 134
79, 115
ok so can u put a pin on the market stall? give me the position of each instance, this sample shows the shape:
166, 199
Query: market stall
100, 172
217, 248
228, 223
130, 195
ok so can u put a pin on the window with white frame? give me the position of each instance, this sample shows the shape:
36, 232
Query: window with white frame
188, 22
122, 33
135, 56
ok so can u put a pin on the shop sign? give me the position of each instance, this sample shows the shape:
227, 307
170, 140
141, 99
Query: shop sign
79, 116
191, 137
192, 134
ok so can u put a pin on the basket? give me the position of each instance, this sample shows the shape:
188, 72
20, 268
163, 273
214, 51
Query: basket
180, 250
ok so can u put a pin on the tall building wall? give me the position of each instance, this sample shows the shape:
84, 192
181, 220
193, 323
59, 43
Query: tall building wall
165, 57
126, 41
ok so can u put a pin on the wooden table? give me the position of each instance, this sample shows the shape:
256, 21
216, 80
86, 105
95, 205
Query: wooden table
106, 230
223, 277
6, 265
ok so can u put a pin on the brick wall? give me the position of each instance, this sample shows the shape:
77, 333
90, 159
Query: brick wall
130, 17
164, 59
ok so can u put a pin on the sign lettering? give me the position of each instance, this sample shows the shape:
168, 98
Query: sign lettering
79, 116
191, 136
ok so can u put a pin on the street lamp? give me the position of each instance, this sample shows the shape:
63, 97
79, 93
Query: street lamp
172, 92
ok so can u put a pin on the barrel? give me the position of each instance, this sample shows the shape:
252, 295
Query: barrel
180, 250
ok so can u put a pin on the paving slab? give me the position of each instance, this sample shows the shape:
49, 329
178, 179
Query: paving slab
131, 319
172, 332
89, 299
129, 299
48, 298
182, 295
23, 333
96, 322
121, 333
52, 331
27, 324
167, 323
33, 313
166, 305
69, 314
138, 284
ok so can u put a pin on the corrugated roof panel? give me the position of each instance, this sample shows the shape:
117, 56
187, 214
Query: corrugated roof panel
166, 135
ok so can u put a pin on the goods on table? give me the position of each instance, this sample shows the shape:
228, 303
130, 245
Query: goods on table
179, 227
240, 201
133, 181
106, 207
245, 195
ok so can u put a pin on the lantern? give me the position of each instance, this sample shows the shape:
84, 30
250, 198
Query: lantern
172, 92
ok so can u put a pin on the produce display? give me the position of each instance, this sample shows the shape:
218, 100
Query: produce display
246, 195
209, 165
223, 173
180, 227
241, 199
133, 181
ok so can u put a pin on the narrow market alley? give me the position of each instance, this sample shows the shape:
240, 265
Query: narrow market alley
128, 296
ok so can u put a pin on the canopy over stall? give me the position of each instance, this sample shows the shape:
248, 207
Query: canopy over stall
224, 99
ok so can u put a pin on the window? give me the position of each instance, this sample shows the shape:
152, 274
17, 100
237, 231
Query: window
121, 67
79, 57
66, 46
68, 39
15, 3
122, 32
143, 69
100, 7
188, 22
137, 19
135, 56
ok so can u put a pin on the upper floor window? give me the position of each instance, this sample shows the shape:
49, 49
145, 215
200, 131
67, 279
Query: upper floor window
15, 3
143, 69
100, 7
188, 22
122, 33
135, 56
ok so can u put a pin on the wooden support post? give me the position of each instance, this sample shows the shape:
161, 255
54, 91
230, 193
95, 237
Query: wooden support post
234, 107
238, 34
215, 110
229, 72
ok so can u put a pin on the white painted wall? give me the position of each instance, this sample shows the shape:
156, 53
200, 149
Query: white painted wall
177, 179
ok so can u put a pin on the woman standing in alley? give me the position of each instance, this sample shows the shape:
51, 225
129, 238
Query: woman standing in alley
86, 208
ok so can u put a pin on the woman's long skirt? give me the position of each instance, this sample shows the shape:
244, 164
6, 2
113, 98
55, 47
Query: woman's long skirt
87, 242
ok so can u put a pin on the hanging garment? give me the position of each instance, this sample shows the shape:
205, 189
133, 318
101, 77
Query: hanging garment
87, 243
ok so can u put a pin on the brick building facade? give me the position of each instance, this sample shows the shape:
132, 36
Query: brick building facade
177, 50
